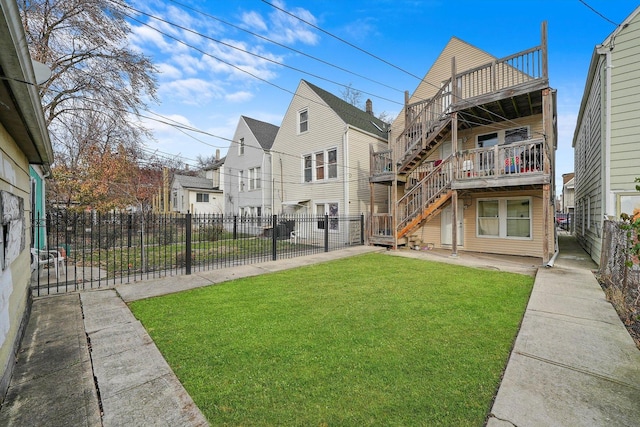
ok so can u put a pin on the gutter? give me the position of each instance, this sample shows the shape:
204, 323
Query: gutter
552, 261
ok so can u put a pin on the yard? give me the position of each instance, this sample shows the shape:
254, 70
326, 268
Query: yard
368, 340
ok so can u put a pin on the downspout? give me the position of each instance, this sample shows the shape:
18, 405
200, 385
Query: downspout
556, 253
346, 173
608, 203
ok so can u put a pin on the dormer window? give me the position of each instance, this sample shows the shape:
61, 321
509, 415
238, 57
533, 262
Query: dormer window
303, 121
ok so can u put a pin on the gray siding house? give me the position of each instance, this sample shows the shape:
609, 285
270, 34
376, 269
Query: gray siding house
606, 144
248, 185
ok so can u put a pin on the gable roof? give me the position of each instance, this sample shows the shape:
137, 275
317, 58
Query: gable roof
264, 132
352, 115
194, 182
217, 164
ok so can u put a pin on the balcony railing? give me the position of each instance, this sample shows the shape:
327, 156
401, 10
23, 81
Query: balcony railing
505, 73
501, 160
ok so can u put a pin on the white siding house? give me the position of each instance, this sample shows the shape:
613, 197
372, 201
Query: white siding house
606, 144
321, 155
23, 140
196, 194
248, 186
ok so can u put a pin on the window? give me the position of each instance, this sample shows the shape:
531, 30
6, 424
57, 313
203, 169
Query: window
330, 209
303, 121
202, 197
332, 167
518, 218
319, 166
307, 169
516, 135
504, 218
175, 200
488, 218
254, 179
241, 147
240, 180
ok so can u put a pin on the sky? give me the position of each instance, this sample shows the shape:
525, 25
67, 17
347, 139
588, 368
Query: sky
218, 60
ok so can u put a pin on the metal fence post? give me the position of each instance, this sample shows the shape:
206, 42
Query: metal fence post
362, 229
274, 238
188, 243
235, 227
326, 232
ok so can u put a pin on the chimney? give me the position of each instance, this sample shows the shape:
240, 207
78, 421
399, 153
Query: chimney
369, 107
217, 154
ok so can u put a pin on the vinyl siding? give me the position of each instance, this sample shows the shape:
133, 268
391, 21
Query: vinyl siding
431, 231
253, 157
467, 57
325, 131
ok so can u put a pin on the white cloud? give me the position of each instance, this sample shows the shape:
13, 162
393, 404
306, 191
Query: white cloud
168, 71
239, 96
285, 28
254, 20
190, 91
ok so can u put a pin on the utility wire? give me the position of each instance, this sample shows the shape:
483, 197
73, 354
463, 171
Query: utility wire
299, 52
459, 98
264, 58
598, 13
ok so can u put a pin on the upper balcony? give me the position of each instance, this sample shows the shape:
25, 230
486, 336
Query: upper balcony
504, 89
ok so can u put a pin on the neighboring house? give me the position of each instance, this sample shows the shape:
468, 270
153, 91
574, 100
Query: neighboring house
568, 193
248, 188
199, 194
321, 156
605, 142
23, 140
478, 154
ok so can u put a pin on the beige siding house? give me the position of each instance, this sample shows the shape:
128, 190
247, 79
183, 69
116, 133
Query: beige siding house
477, 153
321, 155
23, 140
606, 144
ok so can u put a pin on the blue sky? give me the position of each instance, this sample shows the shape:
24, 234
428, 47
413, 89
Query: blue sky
206, 84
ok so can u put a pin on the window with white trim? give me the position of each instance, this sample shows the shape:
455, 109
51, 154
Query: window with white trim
254, 178
332, 163
240, 180
303, 121
320, 166
241, 147
504, 218
308, 168
202, 197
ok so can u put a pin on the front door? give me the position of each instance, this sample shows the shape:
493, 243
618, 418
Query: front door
445, 226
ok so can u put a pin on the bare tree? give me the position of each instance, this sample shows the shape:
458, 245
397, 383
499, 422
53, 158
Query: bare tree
352, 96
97, 84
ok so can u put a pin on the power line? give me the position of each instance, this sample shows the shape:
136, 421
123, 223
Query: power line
299, 52
598, 13
458, 97
264, 58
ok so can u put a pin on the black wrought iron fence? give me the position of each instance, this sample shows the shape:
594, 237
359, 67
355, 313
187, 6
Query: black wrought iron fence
92, 250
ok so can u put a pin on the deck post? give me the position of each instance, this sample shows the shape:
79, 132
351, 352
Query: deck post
543, 45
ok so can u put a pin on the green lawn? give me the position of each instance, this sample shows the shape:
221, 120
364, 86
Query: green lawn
368, 340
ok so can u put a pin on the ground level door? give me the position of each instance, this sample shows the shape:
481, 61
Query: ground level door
445, 226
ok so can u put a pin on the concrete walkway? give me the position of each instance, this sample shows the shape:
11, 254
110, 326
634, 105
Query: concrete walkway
573, 362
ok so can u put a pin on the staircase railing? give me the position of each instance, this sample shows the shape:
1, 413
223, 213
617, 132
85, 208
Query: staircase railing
424, 192
422, 118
